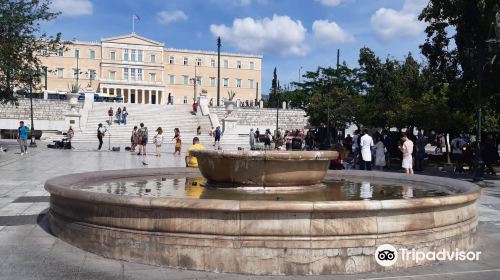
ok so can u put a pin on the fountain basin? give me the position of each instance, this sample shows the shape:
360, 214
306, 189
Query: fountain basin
260, 237
264, 168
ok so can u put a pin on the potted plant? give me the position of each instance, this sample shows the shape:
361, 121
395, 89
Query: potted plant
230, 103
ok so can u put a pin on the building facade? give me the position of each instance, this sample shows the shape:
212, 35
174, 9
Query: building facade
144, 71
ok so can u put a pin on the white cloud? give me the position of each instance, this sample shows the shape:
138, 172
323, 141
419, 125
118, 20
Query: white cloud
166, 17
245, 2
73, 7
330, 32
279, 35
389, 23
331, 3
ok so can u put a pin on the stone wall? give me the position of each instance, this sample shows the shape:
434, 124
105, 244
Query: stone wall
263, 118
51, 110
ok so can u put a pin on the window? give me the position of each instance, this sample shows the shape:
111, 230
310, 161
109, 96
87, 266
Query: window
238, 64
92, 54
139, 74
132, 56
92, 74
132, 74
252, 65
212, 62
77, 53
199, 80
186, 61
60, 52
171, 60
225, 82
125, 55
153, 58
75, 73
152, 77
238, 83
212, 81
226, 63
185, 100
112, 75
198, 61
250, 83
45, 51
171, 79
60, 72
139, 55
186, 80
125, 73
112, 55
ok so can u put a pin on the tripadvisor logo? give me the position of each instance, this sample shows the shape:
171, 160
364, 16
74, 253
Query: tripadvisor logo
387, 255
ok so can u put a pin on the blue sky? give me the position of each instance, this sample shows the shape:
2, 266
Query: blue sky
289, 33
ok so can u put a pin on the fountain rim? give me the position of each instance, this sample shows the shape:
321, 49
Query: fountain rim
267, 155
58, 186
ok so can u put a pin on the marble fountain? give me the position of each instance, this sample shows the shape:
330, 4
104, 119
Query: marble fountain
261, 213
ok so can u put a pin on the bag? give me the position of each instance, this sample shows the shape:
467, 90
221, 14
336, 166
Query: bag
115, 149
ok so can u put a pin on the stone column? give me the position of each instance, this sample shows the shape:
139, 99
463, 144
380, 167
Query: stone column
261, 104
143, 95
284, 105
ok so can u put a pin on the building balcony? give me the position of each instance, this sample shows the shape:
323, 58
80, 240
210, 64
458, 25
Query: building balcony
133, 82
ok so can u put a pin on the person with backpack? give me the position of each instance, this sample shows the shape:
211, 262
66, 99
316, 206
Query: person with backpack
158, 140
101, 131
143, 139
218, 134
119, 115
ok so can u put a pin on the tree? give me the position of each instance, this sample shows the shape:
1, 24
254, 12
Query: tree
21, 43
460, 51
273, 94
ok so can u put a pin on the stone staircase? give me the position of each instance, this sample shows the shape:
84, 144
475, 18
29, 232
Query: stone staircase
167, 117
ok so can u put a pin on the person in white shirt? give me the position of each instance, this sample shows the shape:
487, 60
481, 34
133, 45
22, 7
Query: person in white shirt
407, 150
366, 143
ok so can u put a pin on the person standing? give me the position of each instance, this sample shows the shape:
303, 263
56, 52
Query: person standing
178, 141
124, 115
366, 144
110, 115
407, 148
70, 135
420, 155
192, 161
218, 134
355, 146
119, 115
267, 140
134, 139
158, 140
169, 100
257, 135
101, 131
380, 153
198, 130
143, 139
251, 135
22, 137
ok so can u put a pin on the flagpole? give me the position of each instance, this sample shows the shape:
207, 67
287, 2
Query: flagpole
133, 23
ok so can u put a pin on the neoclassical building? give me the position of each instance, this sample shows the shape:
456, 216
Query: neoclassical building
144, 71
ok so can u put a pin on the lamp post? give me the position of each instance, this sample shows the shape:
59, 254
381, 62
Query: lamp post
299, 73
278, 94
32, 142
218, 70
483, 61
328, 82
195, 79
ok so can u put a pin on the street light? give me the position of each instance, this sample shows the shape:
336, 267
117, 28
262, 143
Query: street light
328, 82
218, 70
299, 73
194, 80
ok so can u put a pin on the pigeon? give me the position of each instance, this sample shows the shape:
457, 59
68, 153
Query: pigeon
144, 163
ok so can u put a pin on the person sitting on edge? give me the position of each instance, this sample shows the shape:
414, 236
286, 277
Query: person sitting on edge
192, 161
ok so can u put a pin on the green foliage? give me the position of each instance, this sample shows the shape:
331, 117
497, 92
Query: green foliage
21, 41
74, 87
463, 60
230, 95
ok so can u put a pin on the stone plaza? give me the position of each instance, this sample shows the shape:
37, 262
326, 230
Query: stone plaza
29, 251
